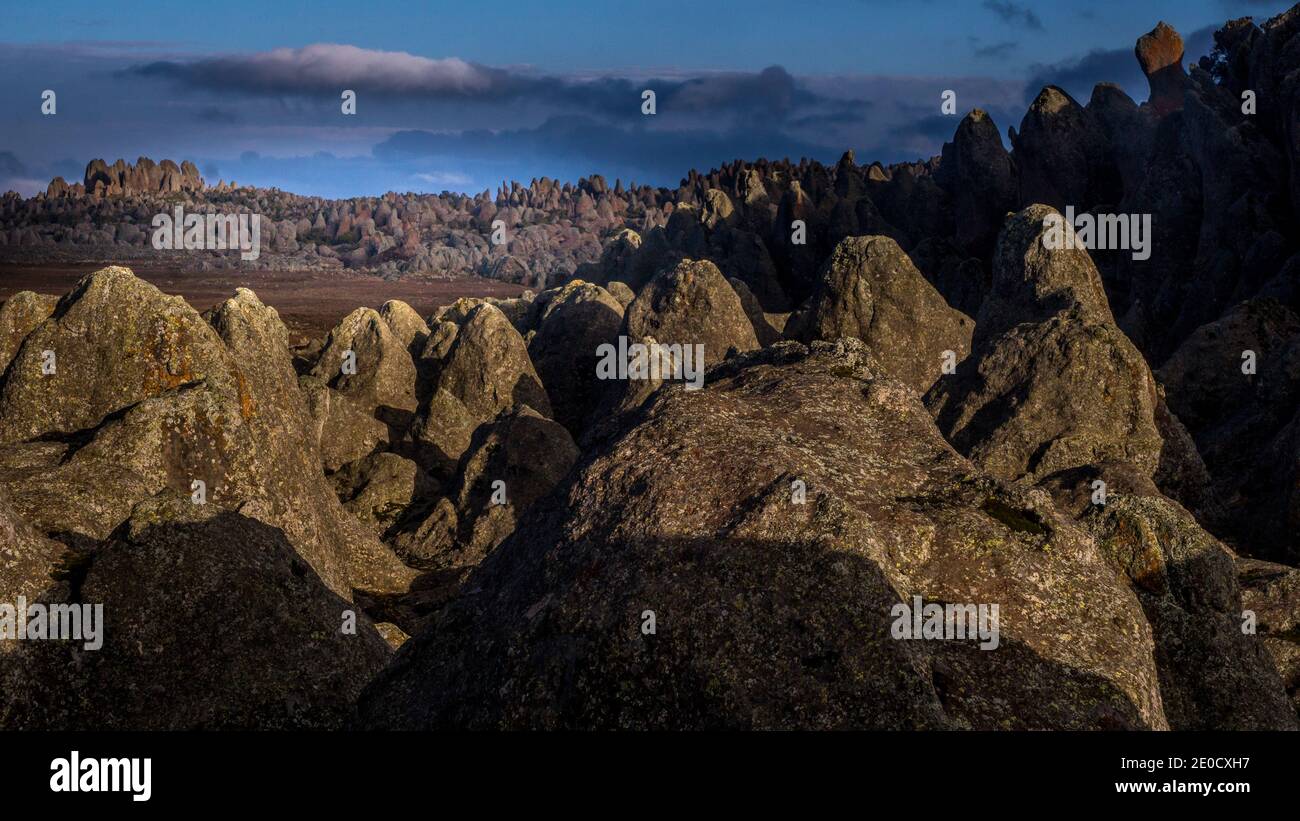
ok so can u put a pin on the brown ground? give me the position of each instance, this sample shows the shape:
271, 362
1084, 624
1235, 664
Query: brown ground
309, 302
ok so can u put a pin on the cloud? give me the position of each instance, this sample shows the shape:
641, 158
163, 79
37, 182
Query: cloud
10, 166
451, 178
996, 51
330, 67
571, 146
323, 71
1014, 13
213, 114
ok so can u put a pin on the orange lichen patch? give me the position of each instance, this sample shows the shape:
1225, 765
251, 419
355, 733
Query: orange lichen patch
172, 365
247, 407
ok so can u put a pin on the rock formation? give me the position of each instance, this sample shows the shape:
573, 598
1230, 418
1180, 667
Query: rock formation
915, 396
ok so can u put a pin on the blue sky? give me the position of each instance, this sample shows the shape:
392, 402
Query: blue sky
463, 95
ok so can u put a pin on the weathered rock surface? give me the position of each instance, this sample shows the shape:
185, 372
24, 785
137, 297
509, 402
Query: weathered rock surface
692, 304
364, 361
19, 316
488, 369
211, 620
147, 396
1212, 675
1051, 383
29, 562
1246, 425
508, 466
379, 488
775, 614
1103, 511
870, 290
1271, 592
407, 325
573, 322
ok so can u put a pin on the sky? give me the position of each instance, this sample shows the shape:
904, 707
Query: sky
462, 96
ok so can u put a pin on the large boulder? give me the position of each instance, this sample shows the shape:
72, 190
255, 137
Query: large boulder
573, 322
488, 369
1051, 383
692, 304
147, 396
364, 361
406, 324
210, 620
660, 591
869, 289
1160, 54
1213, 676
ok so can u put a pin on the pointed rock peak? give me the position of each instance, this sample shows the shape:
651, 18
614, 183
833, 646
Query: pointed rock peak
1109, 95
692, 303
870, 290
455, 312
360, 319
1051, 100
578, 290
243, 320
485, 313
1034, 278
404, 322
246, 301
112, 278
977, 127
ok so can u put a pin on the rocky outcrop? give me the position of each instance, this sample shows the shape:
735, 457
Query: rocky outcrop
1160, 54
764, 331
362, 389
508, 466
870, 290
1213, 675
210, 620
725, 557
487, 367
1051, 383
1270, 593
377, 489
572, 323
146, 396
692, 304
144, 177
1061, 155
738, 604
1236, 384
407, 325
977, 172
29, 562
